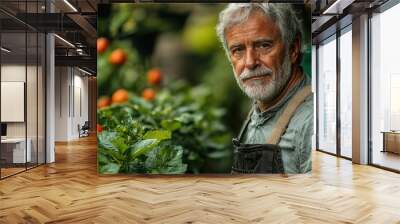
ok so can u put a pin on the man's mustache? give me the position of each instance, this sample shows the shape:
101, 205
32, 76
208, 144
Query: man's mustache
258, 72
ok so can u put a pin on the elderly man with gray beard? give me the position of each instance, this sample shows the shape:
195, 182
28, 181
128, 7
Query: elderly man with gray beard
263, 42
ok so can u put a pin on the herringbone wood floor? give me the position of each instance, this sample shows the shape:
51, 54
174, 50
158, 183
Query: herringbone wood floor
70, 191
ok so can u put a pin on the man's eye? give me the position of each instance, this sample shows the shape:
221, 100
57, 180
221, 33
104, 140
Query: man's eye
237, 51
265, 45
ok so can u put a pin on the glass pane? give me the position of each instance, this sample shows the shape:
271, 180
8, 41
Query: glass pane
31, 97
41, 99
22, 79
14, 152
385, 89
327, 96
314, 83
346, 94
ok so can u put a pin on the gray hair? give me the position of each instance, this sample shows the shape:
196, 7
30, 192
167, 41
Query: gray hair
282, 14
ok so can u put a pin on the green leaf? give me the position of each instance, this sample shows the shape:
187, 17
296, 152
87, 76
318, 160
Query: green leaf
142, 147
158, 134
218, 154
141, 105
193, 156
111, 168
118, 20
171, 125
184, 118
112, 155
102, 158
105, 139
166, 160
120, 144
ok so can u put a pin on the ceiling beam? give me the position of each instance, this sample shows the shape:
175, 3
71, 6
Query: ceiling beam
84, 24
81, 61
337, 6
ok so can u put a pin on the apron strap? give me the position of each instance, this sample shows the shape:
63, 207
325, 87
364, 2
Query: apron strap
284, 119
246, 123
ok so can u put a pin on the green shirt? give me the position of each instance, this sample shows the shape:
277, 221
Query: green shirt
296, 140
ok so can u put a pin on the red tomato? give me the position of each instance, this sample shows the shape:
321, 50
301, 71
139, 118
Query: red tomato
148, 94
154, 76
102, 44
120, 96
117, 57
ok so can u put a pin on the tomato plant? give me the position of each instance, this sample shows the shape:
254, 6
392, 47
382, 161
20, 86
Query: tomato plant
150, 121
174, 133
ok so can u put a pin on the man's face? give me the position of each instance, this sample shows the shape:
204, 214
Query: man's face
258, 57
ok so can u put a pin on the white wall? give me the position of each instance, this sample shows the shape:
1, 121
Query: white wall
80, 96
33, 127
13, 72
62, 81
16, 73
70, 83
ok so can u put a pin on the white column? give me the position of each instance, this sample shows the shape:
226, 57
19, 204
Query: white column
360, 90
50, 79
50, 93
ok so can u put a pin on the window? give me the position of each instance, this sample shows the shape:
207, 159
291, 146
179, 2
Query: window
346, 92
327, 95
22, 77
385, 88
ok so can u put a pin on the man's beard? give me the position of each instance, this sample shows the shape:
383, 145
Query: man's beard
260, 91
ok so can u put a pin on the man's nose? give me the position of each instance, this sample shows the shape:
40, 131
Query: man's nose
251, 60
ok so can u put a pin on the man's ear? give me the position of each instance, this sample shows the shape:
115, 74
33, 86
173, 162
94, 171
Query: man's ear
295, 50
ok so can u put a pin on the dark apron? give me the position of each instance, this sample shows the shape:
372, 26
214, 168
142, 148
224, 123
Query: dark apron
265, 158
256, 158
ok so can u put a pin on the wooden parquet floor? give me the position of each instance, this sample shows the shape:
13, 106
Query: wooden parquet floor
70, 191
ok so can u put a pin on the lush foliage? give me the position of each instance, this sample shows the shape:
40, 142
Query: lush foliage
150, 121
177, 132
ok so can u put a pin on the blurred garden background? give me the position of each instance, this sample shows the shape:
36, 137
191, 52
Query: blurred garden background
168, 102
